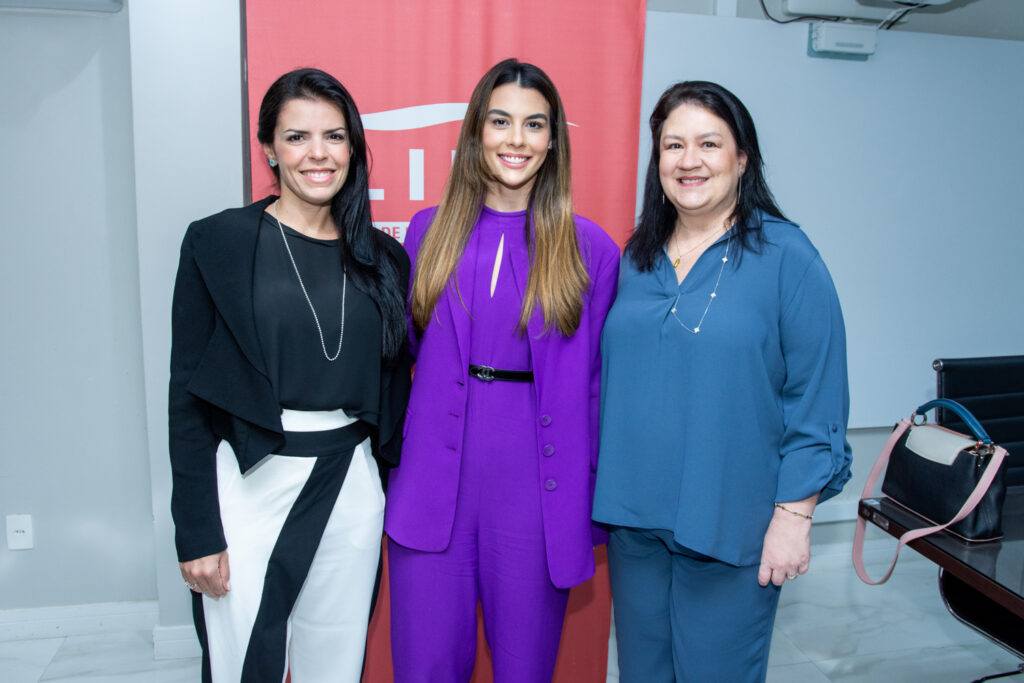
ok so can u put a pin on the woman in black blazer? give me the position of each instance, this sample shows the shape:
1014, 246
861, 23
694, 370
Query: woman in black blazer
289, 379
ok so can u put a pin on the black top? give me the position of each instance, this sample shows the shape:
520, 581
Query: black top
220, 387
301, 375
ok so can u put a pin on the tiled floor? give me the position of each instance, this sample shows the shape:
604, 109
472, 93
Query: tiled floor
830, 627
107, 658
833, 627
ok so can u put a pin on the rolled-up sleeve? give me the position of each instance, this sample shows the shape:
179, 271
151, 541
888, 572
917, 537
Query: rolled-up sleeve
815, 396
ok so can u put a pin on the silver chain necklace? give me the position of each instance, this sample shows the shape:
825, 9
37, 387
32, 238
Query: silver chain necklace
711, 299
316, 319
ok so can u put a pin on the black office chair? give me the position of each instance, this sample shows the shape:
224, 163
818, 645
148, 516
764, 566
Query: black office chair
993, 390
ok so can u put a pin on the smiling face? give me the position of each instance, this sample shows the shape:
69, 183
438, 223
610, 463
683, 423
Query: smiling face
515, 139
312, 151
700, 165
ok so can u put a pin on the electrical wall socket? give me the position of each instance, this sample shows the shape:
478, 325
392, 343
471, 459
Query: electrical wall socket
19, 532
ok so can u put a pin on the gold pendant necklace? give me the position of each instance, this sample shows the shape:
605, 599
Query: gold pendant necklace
677, 260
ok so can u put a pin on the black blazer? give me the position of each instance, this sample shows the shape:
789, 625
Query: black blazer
219, 389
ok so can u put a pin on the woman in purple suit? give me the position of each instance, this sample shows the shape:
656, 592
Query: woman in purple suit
492, 501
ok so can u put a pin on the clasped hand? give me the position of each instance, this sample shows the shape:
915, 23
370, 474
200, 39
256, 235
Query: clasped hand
209, 575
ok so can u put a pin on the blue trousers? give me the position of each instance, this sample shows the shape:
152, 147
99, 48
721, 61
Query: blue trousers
681, 616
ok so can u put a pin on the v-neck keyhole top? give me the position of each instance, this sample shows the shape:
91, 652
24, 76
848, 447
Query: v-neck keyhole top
494, 339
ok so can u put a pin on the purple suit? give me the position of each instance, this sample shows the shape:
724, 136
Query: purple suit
563, 426
567, 372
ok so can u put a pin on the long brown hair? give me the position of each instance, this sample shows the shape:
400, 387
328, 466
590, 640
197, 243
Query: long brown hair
558, 277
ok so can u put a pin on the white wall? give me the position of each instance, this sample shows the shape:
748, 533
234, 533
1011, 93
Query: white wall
903, 169
187, 98
95, 203
71, 387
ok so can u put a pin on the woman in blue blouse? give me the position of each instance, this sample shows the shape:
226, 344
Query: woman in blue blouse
724, 402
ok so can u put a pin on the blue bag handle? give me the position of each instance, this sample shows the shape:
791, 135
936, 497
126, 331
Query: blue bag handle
972, 422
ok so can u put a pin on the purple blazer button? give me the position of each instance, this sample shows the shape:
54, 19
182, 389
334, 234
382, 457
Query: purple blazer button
551, 485
545, 420
548, 450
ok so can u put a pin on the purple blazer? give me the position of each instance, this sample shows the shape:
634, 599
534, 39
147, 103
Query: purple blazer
420, 509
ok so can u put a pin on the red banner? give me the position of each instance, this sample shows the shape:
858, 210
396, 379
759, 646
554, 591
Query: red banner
411, 67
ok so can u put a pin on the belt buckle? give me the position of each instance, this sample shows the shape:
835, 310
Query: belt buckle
485, 373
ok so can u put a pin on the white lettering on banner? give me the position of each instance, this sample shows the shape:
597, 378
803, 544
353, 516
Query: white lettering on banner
416, 178
395, 229
420, 116
416, 175
411, 118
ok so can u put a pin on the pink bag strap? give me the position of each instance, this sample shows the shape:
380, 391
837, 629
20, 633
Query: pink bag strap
869, 487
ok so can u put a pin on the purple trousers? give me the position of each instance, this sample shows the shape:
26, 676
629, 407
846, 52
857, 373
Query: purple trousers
496, 556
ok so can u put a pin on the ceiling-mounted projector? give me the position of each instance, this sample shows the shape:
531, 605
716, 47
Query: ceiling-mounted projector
864, 10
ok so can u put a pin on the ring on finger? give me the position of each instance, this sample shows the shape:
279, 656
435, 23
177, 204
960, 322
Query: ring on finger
191, 586
790, 576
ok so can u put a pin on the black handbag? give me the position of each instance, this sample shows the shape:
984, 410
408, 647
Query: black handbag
939, 474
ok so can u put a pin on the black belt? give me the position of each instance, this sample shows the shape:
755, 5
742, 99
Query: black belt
489, 374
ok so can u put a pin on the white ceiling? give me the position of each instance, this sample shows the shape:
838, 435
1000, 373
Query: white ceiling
979, 18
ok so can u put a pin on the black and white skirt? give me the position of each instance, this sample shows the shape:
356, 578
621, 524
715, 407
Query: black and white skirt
303, 530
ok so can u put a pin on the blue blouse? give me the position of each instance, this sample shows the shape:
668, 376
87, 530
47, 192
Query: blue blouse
701, 433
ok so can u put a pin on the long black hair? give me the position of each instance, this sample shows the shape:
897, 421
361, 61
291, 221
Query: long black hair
658, 216
364, 254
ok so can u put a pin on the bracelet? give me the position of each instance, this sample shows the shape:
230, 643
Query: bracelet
793, 512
